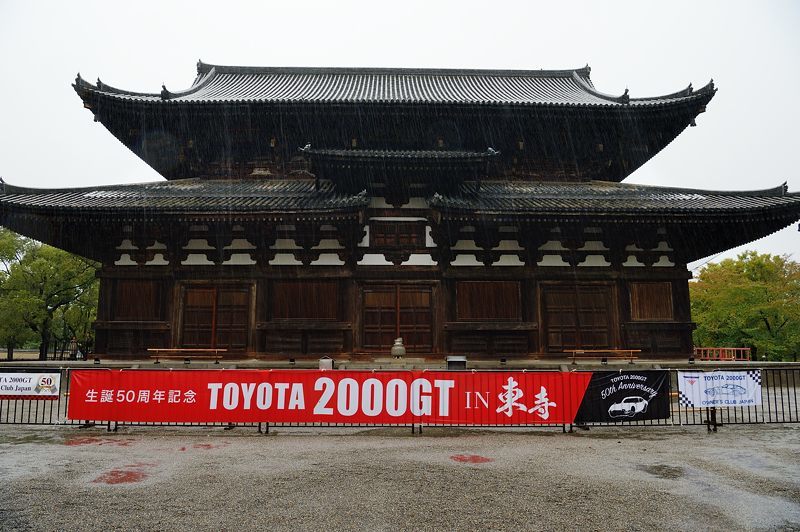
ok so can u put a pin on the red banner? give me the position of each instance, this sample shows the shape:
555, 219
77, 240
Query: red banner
303, 396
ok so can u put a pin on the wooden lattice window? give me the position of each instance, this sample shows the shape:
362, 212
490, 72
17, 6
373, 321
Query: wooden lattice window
392, 311
488, 301
410, 235
577, 317
651, 301
216, 317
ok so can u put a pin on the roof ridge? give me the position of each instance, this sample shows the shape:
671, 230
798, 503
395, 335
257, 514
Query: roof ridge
199, 82
779, 190
203, 68
8, 189
81, 83
588, 87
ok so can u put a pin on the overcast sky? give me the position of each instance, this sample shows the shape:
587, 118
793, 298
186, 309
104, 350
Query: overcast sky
746, 140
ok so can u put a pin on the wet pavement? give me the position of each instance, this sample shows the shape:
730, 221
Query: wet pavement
156, 478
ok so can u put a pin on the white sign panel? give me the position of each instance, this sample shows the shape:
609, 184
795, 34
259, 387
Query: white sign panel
698, 389
30, 385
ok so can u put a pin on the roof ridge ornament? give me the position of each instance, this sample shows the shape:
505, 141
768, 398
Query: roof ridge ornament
165, 94
80, 82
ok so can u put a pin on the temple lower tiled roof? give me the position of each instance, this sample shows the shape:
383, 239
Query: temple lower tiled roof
601, 197
216, 83
505, 198
243, 195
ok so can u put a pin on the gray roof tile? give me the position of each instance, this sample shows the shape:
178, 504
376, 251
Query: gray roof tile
244, 195
601, 197
380, 85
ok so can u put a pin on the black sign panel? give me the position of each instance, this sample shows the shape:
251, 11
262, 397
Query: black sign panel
625, 396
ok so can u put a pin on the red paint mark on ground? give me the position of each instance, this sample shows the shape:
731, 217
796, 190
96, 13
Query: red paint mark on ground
121, 476
127, 474
470, 458
182, 449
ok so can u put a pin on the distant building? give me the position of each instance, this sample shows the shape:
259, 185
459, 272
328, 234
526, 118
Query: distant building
325, 211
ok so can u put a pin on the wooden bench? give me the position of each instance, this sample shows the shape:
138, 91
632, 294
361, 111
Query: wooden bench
730, 354
185, 354
626, 354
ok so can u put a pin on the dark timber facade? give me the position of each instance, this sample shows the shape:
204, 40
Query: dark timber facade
311, 212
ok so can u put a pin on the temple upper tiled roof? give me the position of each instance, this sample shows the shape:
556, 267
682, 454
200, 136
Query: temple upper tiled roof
545, 124
215, 83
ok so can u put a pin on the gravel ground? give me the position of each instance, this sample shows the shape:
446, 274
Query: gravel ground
60, 478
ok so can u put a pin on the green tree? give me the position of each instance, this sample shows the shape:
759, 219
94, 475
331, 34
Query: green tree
16, 308
752, 301
16, 311
42, 287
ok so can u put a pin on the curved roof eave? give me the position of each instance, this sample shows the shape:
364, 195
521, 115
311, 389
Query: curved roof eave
494, 80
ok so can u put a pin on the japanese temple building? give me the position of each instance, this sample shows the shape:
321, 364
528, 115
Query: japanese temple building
326, 211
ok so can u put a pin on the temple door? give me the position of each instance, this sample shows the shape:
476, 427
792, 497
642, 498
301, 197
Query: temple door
392, 311
577, 317
216, 318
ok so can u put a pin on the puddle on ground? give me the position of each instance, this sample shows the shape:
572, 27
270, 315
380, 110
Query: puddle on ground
94, 440
470, 458
41, 438
663, 471
207, 446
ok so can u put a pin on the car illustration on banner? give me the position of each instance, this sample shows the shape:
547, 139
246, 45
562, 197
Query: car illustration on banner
628, 407
726, 389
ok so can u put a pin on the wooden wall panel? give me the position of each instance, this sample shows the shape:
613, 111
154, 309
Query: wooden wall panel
488, 301
651, 301
284, 342
127, 342
313, 300
137, 300
490, 343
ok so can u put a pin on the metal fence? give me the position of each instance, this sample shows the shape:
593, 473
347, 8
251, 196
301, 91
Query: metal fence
778, 392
